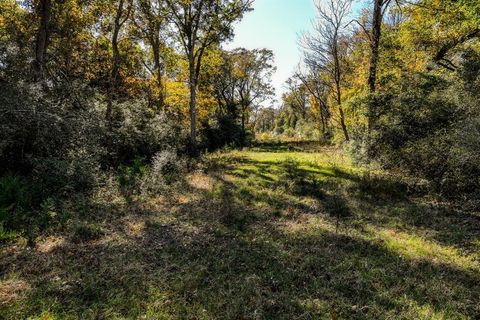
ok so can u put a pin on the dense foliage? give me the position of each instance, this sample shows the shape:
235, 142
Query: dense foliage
399, 85
91, 89
95, 88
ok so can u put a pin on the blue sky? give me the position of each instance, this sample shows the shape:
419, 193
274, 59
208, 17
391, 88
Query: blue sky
276, 25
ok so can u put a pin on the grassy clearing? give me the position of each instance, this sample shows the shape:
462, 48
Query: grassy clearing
279, 231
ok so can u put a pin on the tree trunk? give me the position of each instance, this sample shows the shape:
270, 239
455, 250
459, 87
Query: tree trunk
320, 108
342, 122
375, 43
193, 102
243, 120
158, 70
114, 75
342, 115
41, 42
338, 77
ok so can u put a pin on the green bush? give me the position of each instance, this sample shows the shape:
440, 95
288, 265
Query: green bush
429, 126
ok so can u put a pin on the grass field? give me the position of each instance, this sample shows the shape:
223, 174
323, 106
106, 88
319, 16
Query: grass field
275, 232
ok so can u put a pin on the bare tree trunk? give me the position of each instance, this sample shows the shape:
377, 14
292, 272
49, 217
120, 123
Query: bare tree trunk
375, 43
342, 115
158, 66
115, 72
193, 102
338, 77
41, 42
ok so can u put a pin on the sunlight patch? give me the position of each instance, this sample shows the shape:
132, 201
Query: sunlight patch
49, 244
201, 181
11, 290
414, 247
135, 228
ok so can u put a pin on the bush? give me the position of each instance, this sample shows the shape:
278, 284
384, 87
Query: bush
223, 131
166, 168
83, 232
430, 126
141, 131
21, 211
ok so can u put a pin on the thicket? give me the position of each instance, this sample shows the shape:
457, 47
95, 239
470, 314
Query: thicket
103, 94
398, 86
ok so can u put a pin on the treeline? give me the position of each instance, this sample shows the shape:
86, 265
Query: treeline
400, 84
94, 88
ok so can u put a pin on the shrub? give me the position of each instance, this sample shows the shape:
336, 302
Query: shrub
430, 126
141, 132
166, 168
223, 131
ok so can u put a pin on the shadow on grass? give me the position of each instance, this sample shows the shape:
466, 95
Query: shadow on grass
380, 199
293, 146
217, 255
171, 271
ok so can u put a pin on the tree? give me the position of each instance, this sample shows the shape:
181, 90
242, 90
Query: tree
244, 81
198, 25
326, 48
254, 69
296, 97
318, 91
121, 16
443, 26
44, 12
379, 8
150, 21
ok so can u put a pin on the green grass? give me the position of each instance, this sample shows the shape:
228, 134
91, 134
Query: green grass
276, 232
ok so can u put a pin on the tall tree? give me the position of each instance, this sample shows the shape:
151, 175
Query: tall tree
255, 69
245, 81
318, 91
198, 25
122, 14
326, 48
150, 21
44, 12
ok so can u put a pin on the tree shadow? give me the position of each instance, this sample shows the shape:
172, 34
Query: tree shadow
217, 255
172, 270
292, 146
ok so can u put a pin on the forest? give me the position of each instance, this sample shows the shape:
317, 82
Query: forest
148, 172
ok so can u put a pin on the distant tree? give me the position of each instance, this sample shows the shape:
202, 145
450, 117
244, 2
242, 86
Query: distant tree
199, 24
326, 49
151, 22
318, 91
122, 14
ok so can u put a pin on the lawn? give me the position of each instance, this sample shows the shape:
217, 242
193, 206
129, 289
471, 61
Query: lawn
286, 231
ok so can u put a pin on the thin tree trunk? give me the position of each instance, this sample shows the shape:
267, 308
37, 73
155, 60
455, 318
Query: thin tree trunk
342, 115
243, 120
375, 43
41, 43
320, 107
338, 77
193, 102
114, 75
158, 69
